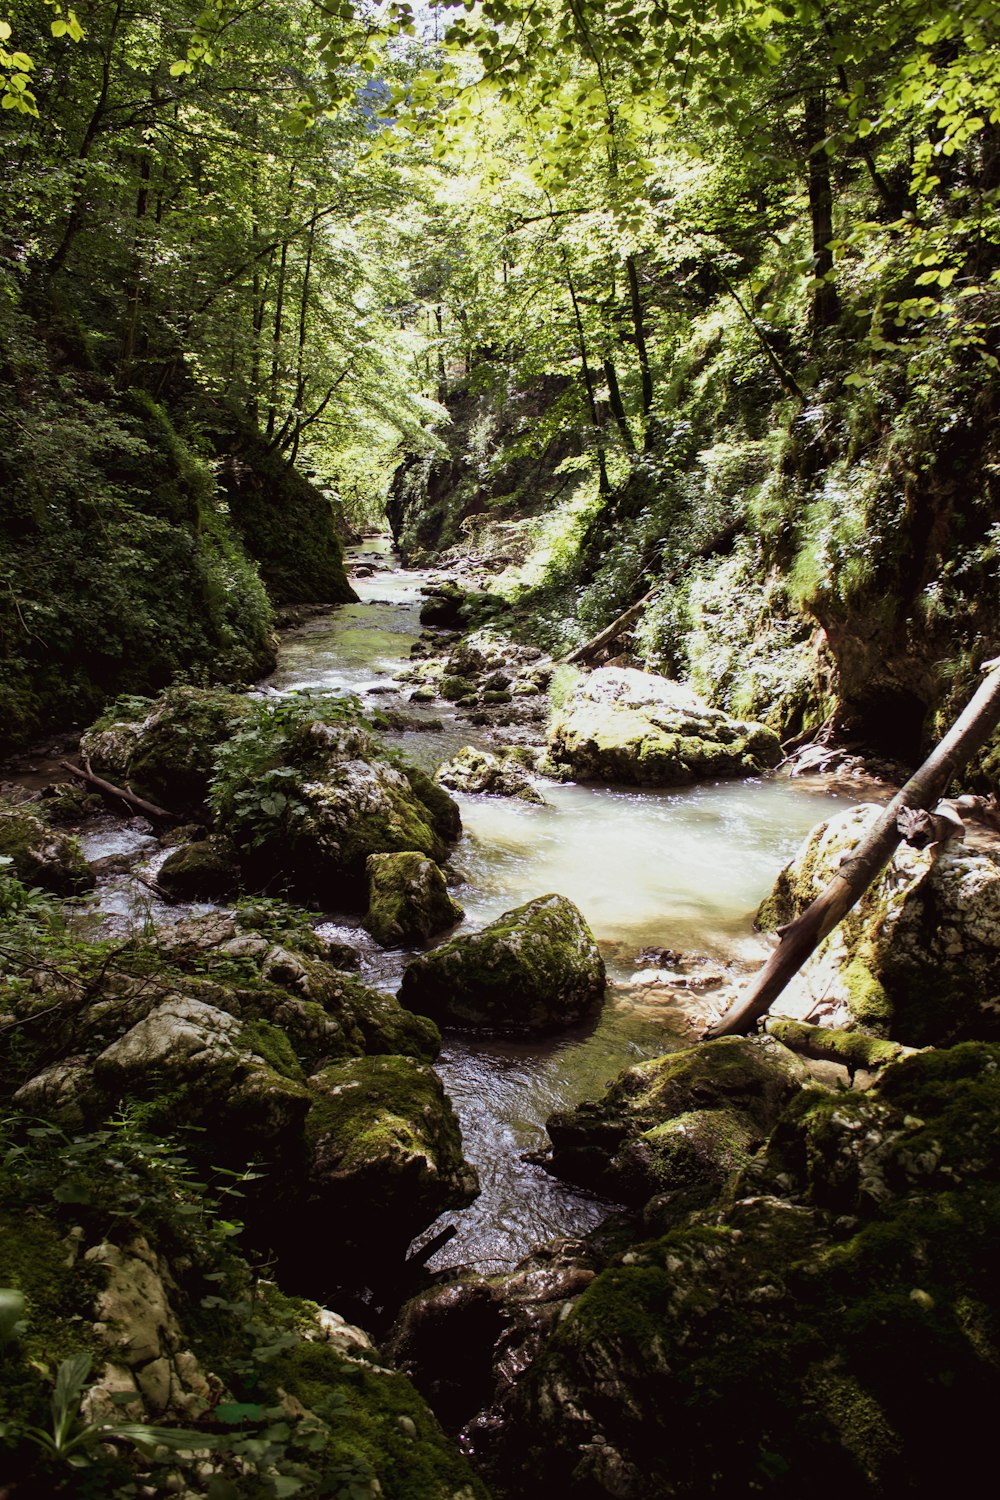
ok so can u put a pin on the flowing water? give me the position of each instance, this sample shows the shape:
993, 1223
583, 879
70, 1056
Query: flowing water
679, 870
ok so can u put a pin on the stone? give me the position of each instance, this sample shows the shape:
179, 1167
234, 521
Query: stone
472, 770
408, 900
917, 960
40, 855
535, 969
202, 871
169, 755
383, 1157
621, 725
678, 1125
341, 800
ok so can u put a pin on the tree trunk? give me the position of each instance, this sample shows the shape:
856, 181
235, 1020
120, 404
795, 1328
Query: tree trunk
604, 484
803, 935
826, 303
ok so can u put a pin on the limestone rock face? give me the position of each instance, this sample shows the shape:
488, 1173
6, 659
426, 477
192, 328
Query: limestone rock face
535, 969
918, 958
40, 855
408, 900
473, 770
677, 1127
621, 725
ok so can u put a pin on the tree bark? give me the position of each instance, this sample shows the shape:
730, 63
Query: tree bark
825, 302
804, 934
122, 794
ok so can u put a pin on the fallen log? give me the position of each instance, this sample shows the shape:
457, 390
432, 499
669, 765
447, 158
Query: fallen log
803, 936
122, 794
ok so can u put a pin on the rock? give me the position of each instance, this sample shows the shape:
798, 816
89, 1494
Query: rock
408, 900
169, 755
783, 1343
473, 770
202, 871
677, 1127
621, 725
535, 969
917, 959
383, 1159
443, 607
325, 798
211, 1066
40, 855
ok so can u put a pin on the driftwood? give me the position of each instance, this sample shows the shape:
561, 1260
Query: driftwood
802, 936
122, 794
583, 655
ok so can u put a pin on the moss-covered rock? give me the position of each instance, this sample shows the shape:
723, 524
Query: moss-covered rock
535, 969
472, 770
306, 793
832, 1328
202, 871
918, 958
169, 754
621, 725
383, 1157
41, 855
408, 900
678, 1125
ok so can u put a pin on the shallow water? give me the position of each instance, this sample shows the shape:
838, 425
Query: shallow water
680, 869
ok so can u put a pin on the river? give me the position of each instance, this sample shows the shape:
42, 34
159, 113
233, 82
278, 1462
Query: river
668, 880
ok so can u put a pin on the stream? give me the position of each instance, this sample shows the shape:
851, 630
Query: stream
660, 873
668, 880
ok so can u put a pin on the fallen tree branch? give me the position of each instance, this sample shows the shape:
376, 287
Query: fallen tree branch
802, 936
122, 794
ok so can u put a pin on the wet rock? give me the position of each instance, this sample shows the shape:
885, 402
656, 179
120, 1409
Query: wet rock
472, 770
918, 958
408, 900
202, 871
535, 969
40, 855
443, 608
621, 725
383, 1159
677, 1127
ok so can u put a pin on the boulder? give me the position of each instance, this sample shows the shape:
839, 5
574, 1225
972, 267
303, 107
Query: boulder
829, 1329
168, 756
918, 958
40, 855
535, 969
408, 900
383, 1157
621, 725
202, 871
305, 801
675, 1128
472, 770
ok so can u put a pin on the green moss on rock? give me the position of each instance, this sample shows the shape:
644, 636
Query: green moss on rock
535, 969
41, 855
408, 900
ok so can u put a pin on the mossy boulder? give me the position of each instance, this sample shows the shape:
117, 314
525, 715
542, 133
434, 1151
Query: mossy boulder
917, 959
535, 969
383, 1157
203, 871
41, 855
834, 1327
443, 607
678, 1125
305, 798
408, 900
472, 770
621, 725
168, 755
